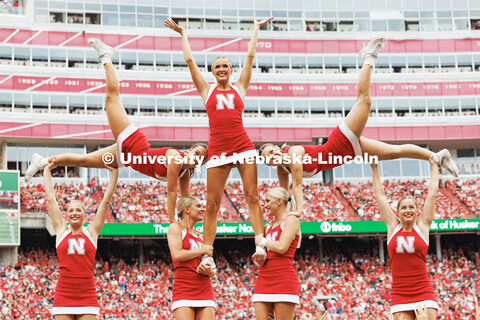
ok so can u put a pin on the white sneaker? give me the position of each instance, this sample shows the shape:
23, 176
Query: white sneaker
101, 48
372, 48
446, 162
33, 167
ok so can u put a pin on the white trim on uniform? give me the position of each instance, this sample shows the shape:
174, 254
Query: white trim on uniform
259, 297
352, 137
420, 234
63, 237
236, 158
238, 91
76, 310
184, 233
414, 306
193, 304
212, 87
397, 228
89, 236
127, 132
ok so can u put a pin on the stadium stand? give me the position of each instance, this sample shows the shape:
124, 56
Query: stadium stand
362, 200
145, 202
350, 282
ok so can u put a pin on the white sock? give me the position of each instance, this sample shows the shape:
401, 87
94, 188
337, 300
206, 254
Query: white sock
44, 162
106, 59
436, 158
369, 60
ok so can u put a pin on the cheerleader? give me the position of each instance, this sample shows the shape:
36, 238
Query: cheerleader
277, 287
407, 243
192, 292
75, 294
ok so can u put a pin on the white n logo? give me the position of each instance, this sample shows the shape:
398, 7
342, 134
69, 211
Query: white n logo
272, 236
194, 244
405, 245
222, 100
78, 246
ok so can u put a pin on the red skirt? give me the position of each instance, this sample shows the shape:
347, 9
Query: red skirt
191, 289
75, 295
277, 282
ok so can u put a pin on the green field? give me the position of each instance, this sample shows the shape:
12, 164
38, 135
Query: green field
9, 228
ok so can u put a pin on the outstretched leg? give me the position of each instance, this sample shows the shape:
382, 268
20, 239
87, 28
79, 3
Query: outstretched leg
90, 160
117, 116
385, 151
248, 173
358, 116
216, 180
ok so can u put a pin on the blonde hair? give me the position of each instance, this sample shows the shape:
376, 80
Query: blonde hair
406, 198
184, 202
263, 146
200, 144
222, 57
279, 193
77, 202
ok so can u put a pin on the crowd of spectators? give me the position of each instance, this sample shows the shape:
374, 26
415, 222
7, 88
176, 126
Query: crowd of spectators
361, 198
468, 192
131, 202
350, 282
146, 202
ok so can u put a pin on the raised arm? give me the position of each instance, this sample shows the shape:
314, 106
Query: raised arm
184, 184
53, 210
96, 226
283, 178
197, 77
174, 237
295, 153
428, 213
246, 74
385, 211
290, 230
173, 170
297, 186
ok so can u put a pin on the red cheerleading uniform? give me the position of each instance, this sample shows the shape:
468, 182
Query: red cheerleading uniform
277, 280
411, 286
227, 134
191, 289
341, 142
133, 142
75, 292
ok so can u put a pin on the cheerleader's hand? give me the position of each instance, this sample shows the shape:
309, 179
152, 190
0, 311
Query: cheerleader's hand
259, 24
207, 249
259, 259
206, 270
271, 316
421, 313
52, 165
175, 27
295, 214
